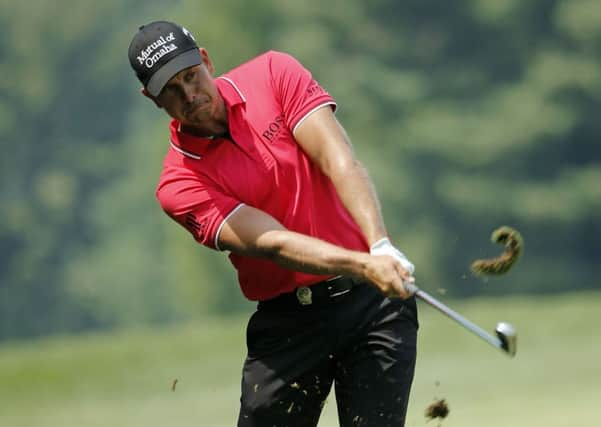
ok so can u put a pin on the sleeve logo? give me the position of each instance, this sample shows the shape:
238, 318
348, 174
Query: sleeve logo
195, 227
314, 89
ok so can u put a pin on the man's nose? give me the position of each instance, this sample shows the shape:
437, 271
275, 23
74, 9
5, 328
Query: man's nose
189, 95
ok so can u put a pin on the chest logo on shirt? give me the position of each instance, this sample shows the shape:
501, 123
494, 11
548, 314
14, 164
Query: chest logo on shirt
274, 128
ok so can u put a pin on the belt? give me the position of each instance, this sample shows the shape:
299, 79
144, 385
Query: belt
313, 295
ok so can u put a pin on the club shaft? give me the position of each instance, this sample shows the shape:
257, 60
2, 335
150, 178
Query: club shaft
424, 296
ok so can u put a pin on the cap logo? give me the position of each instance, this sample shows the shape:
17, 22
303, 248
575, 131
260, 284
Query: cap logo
188, 33
152, 53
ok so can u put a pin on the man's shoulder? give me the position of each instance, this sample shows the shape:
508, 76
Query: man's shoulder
177, 183
263, 62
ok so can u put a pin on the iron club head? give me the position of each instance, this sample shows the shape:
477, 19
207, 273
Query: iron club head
508, 336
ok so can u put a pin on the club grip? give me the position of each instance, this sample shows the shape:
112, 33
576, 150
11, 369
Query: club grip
411, 288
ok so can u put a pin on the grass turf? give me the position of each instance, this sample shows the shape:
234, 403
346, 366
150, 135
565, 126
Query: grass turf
125, 378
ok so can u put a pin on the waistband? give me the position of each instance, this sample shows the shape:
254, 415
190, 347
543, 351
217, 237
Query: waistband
313, 295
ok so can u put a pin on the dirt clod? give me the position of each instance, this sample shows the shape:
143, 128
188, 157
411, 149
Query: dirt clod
438, 409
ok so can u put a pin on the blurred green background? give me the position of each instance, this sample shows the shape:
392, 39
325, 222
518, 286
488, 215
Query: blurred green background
469, 114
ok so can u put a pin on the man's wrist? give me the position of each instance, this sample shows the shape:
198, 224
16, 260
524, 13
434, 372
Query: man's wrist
379, 243
385, 247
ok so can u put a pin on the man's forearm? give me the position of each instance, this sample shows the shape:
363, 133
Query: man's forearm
251, 232
357, 193
310, 255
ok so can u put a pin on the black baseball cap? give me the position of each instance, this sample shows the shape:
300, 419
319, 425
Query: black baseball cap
159, 51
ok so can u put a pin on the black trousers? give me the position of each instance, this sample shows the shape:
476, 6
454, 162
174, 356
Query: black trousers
361, 341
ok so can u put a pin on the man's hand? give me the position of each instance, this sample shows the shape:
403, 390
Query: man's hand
392, 270
388, 276
384, 247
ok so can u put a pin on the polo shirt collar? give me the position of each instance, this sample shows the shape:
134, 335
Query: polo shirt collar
196, 146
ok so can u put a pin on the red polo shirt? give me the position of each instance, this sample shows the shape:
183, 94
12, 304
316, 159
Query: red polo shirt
206, 180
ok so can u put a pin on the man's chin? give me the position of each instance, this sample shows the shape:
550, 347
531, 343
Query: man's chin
194, 120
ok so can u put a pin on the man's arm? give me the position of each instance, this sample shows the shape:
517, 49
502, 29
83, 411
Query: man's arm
252, 232
326, 143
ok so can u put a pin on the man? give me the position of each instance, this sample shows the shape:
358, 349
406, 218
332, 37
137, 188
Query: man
259, 166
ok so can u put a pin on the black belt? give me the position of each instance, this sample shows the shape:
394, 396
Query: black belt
312, 295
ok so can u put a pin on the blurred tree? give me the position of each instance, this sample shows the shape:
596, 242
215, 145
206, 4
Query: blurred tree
63, 103
469, 115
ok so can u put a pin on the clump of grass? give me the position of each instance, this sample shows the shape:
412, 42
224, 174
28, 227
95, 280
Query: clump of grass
514, 247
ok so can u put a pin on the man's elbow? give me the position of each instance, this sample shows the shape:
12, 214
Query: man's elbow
271, 244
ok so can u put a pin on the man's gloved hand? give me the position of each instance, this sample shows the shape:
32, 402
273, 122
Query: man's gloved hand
384, 247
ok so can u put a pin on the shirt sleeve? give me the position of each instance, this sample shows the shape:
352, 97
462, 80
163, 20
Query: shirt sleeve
198, 206
298, 93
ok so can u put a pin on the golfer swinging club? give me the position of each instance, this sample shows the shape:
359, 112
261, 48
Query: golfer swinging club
258, 166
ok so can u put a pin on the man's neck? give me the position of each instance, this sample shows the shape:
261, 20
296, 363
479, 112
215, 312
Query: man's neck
203, 133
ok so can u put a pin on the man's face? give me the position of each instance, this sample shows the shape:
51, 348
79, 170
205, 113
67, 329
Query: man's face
191, 97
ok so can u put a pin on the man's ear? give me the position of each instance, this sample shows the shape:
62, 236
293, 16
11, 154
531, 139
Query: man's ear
147, 94
207, 60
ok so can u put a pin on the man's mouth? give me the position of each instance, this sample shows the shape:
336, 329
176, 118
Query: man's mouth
198, 106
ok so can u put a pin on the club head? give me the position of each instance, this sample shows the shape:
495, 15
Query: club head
508, 336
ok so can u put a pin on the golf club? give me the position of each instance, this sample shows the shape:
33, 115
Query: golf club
506, 336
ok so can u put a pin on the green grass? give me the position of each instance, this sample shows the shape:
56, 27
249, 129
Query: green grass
125, 379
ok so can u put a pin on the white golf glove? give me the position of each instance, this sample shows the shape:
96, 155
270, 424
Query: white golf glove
384, 247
